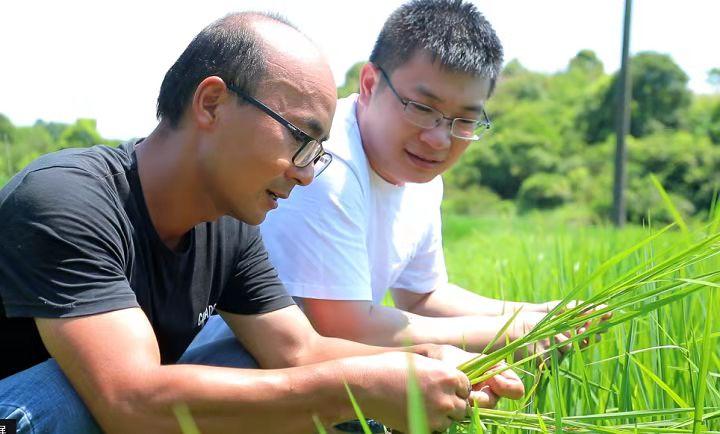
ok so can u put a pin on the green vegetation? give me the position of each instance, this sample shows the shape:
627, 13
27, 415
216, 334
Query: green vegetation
655, 370
21, 145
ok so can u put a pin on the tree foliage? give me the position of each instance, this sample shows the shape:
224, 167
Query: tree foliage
19, 145
352, 81
659, 98
552, 140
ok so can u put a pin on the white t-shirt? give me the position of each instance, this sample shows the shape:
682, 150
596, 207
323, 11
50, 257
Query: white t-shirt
350, 235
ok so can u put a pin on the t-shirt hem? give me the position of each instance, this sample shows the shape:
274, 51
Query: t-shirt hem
265, 307
327, 293
422, 289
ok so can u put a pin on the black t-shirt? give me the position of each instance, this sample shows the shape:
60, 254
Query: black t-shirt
76, 239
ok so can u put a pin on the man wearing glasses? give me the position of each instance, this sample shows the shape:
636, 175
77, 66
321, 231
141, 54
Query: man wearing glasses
374, 218
113, 259
372, 222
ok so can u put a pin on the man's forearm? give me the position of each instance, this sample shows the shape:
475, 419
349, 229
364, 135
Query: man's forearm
452, 300
322, 348
387, 326
227, 399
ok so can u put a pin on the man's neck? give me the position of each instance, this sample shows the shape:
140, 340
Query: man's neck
170, 185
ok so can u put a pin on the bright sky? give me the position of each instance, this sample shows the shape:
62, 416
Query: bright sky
65, 59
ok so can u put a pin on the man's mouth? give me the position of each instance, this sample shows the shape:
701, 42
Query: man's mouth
423, 161
275, 195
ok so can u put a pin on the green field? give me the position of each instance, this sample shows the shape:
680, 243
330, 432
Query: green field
657, 372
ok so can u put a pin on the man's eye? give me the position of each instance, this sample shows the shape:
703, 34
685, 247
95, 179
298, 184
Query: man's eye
422, 108
299, 138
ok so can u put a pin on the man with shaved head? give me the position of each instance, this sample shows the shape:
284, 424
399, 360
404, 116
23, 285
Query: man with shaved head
114, 258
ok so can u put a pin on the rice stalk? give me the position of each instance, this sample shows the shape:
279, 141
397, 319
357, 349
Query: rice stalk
623, 298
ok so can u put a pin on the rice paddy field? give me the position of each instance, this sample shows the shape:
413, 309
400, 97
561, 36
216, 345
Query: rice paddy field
657, 366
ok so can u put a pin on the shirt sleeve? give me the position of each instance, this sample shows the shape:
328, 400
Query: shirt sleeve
426, 270
254, 287
64, 247
317, 239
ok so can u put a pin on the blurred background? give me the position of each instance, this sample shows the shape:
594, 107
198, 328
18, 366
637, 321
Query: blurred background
76, 73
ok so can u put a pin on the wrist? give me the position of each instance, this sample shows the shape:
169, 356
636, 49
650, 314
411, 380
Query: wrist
426, 350
537, 307
362, 378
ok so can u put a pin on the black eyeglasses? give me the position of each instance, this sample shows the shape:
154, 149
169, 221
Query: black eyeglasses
310, 151
428, 117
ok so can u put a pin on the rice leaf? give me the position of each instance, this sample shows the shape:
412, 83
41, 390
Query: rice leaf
185, 419
669, 204
318, 425
704, 365
417, 417
358, 411
664, 386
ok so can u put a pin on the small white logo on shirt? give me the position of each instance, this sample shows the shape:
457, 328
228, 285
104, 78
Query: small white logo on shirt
203, 316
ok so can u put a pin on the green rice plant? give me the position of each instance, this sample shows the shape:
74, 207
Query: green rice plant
358, 411
669, 204
705, 364
185, 419
318, 425
418, 422
676, 421
658, 288
627, 298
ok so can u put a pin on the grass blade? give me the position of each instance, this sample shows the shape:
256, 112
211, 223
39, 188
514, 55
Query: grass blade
358, 411
417, 417
185, 419
704, 366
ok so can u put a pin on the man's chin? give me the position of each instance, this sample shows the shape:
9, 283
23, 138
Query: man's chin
253, 219
416, 177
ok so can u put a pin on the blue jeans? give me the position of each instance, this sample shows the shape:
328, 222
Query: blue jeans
42, 400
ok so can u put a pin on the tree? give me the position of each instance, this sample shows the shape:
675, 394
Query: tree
352, 81
714, 78
81, 134
659, 100
586, 62
714, 127
7, 130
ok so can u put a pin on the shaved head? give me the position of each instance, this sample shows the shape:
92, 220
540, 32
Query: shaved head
244, 49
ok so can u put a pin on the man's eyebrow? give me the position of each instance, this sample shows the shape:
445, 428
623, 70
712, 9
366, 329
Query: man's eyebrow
429, 94
316, 129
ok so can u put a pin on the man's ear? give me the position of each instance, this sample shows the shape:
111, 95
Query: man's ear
209, 95
369, 79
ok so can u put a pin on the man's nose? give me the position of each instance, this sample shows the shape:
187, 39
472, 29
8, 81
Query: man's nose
302, 175
438, 137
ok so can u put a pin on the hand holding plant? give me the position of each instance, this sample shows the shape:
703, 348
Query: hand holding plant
486, 394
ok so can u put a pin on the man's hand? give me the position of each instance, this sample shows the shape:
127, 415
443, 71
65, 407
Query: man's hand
446, 390
528, 319
506, 384
486, 394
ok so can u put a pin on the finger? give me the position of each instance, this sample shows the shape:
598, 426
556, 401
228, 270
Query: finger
484, 397
440, 425
460, 409
560, 339
507, 384
584, 342
463, 387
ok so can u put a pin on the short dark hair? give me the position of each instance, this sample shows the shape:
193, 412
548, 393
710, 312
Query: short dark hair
228, 48
454, 33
